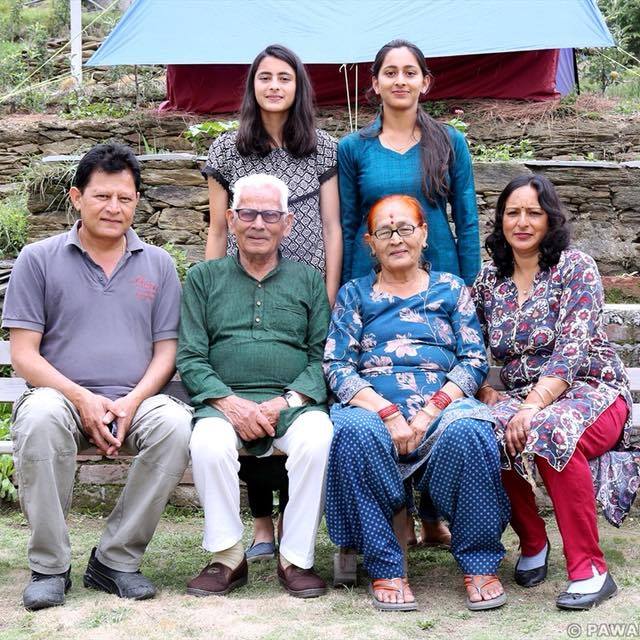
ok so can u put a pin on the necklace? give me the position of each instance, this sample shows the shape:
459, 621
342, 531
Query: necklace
409, 143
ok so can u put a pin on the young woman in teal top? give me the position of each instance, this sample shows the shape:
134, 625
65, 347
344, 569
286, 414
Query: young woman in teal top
405, 151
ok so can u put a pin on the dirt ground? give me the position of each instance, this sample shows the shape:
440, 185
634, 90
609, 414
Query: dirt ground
261, 610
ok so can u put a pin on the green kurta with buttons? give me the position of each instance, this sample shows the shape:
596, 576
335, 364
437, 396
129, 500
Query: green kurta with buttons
255, 339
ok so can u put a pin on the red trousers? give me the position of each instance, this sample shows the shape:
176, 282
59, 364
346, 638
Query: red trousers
572, 494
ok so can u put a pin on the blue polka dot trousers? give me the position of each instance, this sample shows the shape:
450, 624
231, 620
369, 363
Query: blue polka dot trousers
365, 490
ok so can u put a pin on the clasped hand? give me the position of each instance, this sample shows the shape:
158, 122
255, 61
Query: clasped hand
250, 419
97, 412
407, 436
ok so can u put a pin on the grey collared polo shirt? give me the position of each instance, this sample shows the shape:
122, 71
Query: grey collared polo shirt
97, 331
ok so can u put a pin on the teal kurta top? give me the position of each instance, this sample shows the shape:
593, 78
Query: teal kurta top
367, 171
255, 339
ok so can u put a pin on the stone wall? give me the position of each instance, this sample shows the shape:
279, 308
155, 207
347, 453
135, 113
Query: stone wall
602, 199
23, 138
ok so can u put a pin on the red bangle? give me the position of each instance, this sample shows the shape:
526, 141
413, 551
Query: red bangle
440, 399
386, 412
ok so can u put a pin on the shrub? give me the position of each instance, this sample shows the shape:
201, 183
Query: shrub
179, 259
13, 225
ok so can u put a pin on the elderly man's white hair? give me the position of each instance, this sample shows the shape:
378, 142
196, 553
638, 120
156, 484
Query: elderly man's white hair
260, 180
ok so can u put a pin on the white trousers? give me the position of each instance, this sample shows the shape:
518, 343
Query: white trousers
214, 455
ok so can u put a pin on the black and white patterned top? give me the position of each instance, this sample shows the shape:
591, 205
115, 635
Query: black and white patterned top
303, 176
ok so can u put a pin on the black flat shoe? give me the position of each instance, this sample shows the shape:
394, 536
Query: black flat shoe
124, 584
533, 577
583, 601
45, 591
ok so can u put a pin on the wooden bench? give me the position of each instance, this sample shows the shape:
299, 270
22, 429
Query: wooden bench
344, 563
12, 388
345, 560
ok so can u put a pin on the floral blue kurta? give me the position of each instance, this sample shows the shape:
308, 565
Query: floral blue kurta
407, 349
559, 332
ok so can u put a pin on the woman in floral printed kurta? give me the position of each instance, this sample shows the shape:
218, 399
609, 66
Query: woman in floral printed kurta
397, 340
568, 401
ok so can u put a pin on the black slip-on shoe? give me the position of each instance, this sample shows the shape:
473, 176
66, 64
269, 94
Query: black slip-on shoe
584, 601
45, 591
532, 577
124, 584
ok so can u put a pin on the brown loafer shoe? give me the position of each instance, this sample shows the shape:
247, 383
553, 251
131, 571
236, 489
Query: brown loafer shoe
217, 579
301, 583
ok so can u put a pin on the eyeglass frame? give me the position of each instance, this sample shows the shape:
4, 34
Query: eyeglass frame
397, 230
261, 213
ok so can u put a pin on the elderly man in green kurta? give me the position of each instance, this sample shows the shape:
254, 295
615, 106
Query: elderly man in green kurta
252, 334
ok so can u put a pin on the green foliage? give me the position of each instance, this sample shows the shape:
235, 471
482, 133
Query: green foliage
202, 133
179, 259
13, 68
615, 295
59, 17
7, 489
623, 19
458, 124
436, 109
503, 152
13, 225
11, 20
210, 128
81, 107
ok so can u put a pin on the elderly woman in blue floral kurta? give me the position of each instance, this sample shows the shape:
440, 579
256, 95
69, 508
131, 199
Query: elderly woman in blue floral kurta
568, 402
405, 357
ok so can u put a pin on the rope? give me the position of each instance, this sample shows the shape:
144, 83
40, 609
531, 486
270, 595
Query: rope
346, 84
54, 55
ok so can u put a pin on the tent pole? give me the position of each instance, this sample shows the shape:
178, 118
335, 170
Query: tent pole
135, 77
346, 84
75, 7
356, 97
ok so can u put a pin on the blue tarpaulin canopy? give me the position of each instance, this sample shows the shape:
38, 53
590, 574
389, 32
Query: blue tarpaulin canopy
341, 31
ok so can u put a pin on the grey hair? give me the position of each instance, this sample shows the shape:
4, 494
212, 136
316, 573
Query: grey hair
260, 180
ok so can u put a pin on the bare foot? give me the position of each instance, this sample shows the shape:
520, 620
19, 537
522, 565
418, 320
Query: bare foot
412, 541
263, 530
434, 534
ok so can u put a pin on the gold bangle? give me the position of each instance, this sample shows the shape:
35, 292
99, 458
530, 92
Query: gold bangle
544, 400
529, 405
484, 385
545, 388
433, 416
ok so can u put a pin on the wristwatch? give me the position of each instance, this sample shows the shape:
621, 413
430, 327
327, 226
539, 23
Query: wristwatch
293, 399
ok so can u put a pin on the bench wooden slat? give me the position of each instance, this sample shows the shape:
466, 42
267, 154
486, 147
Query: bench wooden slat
5, 353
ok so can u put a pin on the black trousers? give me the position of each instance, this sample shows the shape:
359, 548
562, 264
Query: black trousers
263, 476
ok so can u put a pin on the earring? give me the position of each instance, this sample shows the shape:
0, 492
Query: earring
423, 91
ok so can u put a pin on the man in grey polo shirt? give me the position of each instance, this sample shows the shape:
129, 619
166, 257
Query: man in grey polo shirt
93, 318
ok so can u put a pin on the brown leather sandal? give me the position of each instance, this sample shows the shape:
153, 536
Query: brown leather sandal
399, 586
479, 583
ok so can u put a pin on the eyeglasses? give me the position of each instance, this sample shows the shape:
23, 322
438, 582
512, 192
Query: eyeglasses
270, 216
403, 231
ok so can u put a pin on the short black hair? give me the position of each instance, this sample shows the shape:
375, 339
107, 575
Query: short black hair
555, 241
109, 158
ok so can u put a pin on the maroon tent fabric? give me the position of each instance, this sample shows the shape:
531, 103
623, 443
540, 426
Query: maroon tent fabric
525, 75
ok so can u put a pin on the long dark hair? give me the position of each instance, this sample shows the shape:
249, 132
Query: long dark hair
555, 241
298, 134
435, 145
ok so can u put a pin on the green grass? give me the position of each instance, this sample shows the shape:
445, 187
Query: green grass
262, 610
